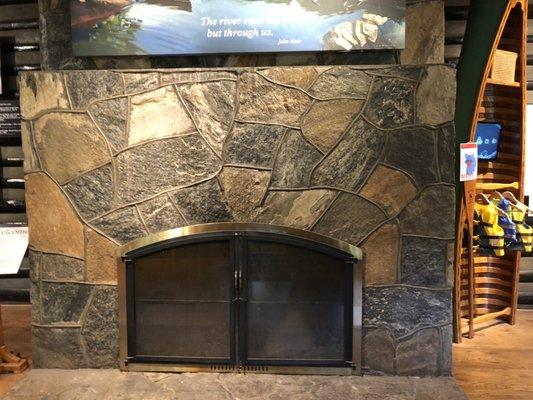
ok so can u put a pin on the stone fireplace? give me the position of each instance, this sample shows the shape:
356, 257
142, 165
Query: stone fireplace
363, 155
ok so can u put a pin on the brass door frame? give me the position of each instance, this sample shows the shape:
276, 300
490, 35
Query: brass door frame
154, 242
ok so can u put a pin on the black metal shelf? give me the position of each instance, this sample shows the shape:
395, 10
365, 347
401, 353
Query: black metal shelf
12, 207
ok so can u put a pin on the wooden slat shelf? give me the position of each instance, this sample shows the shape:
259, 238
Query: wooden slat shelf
510, 84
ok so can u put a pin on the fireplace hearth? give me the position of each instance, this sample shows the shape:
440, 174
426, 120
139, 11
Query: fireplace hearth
241, 297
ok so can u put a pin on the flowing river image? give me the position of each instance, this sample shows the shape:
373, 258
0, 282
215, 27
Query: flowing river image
165, 27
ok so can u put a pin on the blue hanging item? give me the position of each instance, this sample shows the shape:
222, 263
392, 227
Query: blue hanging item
487, 139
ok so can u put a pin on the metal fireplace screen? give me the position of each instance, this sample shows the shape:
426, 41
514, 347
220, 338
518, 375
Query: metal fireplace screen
240, 297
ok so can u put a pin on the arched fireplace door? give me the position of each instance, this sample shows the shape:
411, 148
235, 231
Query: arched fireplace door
240, 297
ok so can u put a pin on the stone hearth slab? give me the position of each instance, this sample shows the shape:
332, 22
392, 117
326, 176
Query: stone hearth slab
87, 384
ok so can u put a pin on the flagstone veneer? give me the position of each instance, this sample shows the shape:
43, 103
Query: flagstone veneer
359, 154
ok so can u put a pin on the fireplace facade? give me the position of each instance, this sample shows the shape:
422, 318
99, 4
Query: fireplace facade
240, 297
363, 155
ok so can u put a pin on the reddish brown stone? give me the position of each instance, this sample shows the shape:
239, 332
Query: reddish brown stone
327, 120
299, 77
390, 188
244, 189
381, 252
69, 144
102, 259
53, 224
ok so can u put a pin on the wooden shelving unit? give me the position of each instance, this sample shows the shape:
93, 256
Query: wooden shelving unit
486, 287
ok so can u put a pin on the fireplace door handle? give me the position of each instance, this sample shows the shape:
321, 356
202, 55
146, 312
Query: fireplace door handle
237, 281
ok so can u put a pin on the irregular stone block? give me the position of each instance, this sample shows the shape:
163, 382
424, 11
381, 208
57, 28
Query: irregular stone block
212, 107
61, 268
141, 387
69, 144
418, 355
424, 33
63, 302
431, 214
298, 209
163, 164
161, 105
446, 153
350, 218
92, 193
390, 104
339, 82
294, 162
253, 144
403, 71
168, 77
100, 328
349, 164
35, 300
379, 351
57, 348
381, 252
424, 261
390, 188
34, 258
405, 309
244, 189
265, 102
87, 86
446, 334
102, 259
121, 225
326, 121
135, 82
31, 161
111, 118
53, 225
41, 91
435, 97
159, 214
413, 150
301, 77
438, 389
202, 203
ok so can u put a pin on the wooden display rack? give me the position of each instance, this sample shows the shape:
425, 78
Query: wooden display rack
8, 361
486, 287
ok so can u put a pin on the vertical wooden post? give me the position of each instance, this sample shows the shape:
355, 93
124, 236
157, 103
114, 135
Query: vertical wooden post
469, 199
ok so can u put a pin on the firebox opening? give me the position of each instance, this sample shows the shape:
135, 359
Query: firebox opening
240, 297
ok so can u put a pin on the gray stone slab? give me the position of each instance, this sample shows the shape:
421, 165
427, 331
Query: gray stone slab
89, 384
406, 309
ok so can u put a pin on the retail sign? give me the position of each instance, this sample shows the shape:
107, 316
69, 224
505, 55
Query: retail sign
194, 27
468, 160
13, 245
9, 118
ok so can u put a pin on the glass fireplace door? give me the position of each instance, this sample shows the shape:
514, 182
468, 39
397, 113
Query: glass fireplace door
297, 306
239, 299
183, 304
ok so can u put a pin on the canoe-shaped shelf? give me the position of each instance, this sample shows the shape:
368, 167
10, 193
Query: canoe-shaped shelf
486, 285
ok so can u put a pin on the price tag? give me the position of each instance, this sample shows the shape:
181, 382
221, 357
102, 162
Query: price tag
468, 159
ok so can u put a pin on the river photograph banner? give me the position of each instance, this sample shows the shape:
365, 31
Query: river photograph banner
193, 27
